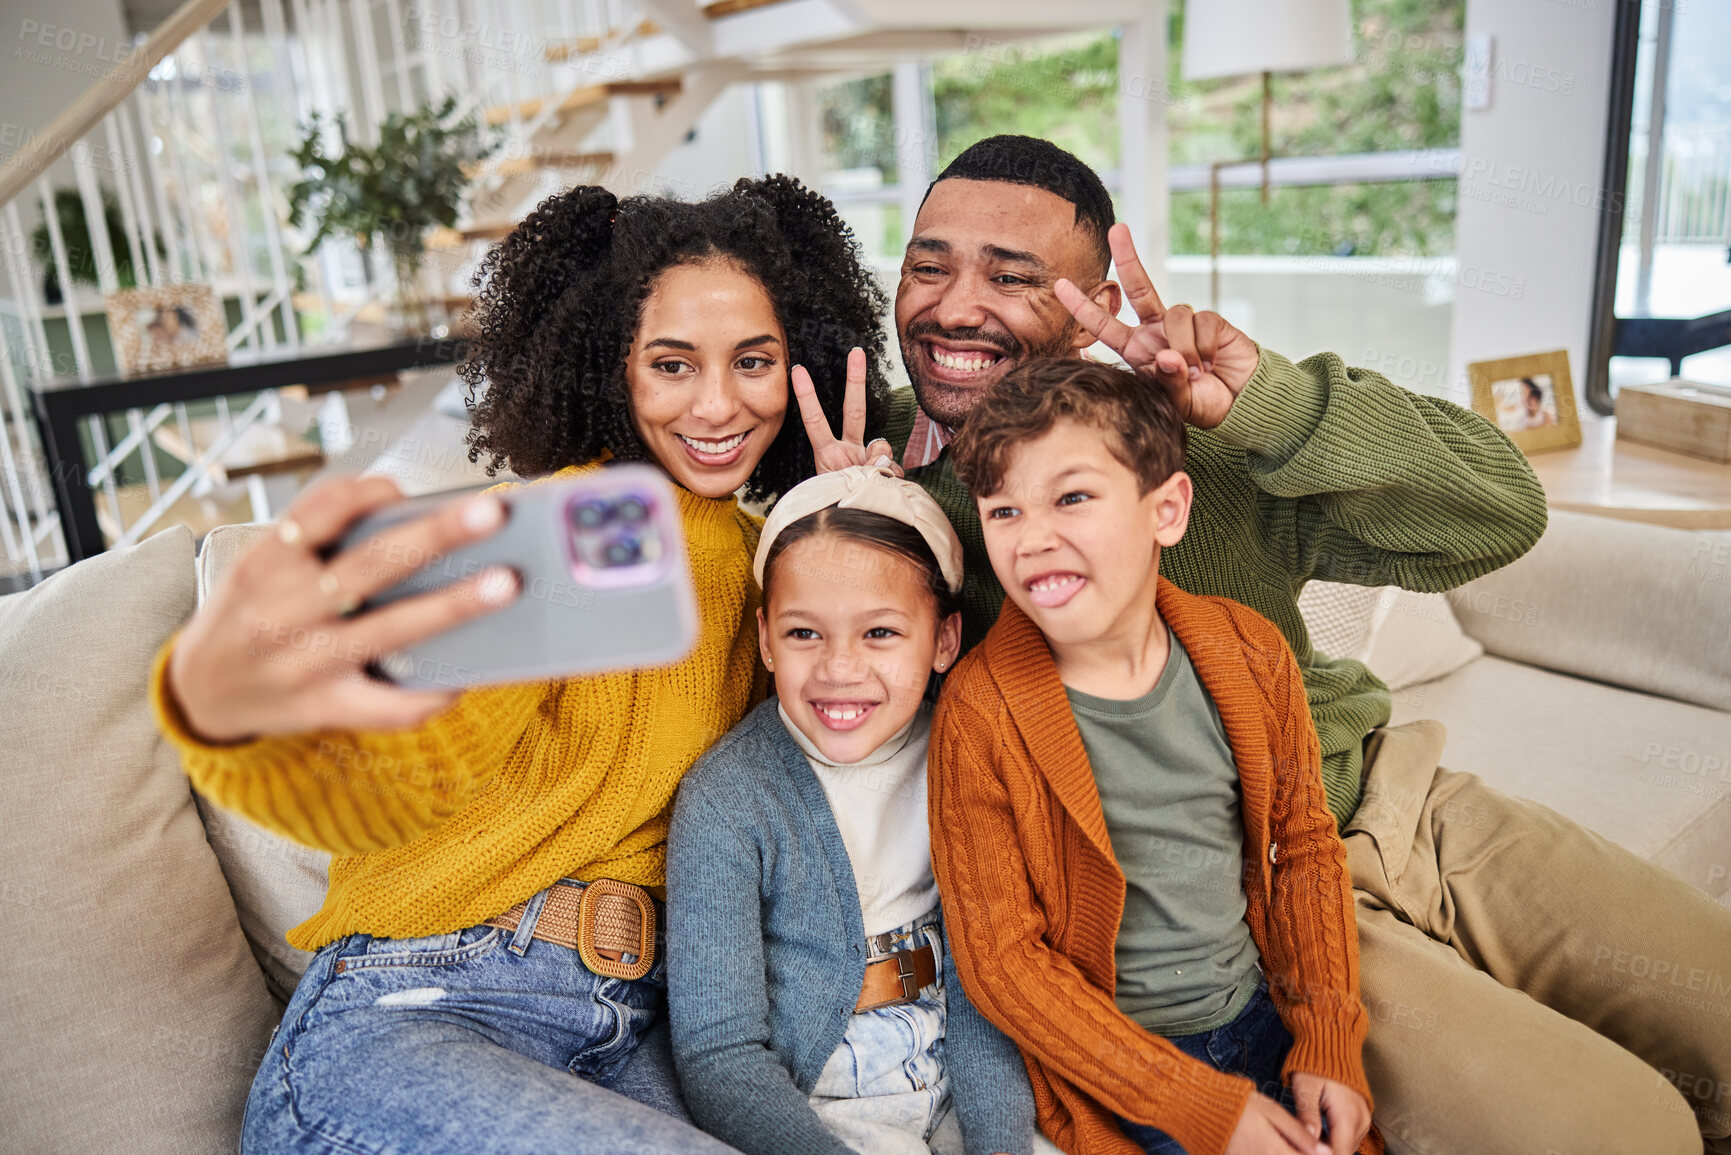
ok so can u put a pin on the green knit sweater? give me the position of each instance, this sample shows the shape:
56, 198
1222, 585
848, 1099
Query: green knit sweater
1319, 471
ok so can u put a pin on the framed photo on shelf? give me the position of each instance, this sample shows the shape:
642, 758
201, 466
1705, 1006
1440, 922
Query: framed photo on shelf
1531, 398
166, 327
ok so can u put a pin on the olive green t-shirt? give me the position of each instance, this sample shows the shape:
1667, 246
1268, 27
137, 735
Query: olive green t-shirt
1169, 789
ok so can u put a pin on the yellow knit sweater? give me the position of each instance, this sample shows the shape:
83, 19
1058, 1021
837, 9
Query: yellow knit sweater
443, 826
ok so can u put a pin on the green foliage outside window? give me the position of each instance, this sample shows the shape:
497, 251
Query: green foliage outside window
1064, 91
1402, 92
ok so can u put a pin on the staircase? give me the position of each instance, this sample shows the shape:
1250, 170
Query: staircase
184, 146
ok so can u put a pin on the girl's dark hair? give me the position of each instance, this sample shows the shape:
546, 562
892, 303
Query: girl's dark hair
880, 531
558, 301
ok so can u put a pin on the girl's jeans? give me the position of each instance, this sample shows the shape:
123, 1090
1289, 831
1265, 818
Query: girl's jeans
1253, 1045
481, 1040
884, 1090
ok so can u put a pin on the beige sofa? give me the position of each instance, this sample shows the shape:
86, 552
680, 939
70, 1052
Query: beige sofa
145, 963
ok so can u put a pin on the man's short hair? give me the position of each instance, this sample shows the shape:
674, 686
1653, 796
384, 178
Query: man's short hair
1138, 418
1027, 160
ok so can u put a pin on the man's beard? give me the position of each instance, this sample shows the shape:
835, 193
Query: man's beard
949, 404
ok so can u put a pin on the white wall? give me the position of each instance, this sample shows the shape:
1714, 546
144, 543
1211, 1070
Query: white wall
83, 38
1390, 314
1529, 190
718, 153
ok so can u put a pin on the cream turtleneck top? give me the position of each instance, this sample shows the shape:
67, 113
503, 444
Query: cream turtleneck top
879, 804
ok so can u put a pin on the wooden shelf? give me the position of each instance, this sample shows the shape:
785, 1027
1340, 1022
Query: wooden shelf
200, 514
1634, 482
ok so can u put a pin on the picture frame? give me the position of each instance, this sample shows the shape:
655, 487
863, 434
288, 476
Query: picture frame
166, 327
1530, 398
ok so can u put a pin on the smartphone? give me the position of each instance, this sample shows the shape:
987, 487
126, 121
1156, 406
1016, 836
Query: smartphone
604, 583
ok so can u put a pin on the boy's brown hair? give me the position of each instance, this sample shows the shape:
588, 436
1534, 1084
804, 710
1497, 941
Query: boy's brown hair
1139, 418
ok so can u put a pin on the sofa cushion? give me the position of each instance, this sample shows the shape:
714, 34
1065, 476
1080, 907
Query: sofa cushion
277, 883
1342, 618
1404, 637
1417, 641
1635, 605
133, 1013
1651, 774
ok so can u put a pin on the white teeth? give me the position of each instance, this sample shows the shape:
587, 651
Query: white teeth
1052, 583
840, 713
964, 362
712, 446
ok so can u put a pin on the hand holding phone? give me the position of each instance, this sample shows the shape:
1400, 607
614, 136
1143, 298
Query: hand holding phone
605, 586
277, 647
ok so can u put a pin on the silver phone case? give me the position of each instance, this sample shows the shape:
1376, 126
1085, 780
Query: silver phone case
569, 618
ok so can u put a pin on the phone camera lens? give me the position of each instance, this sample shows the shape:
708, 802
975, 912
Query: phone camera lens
632, 509
590, 514
623, 551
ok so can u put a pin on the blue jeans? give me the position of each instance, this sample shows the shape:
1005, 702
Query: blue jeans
1253, 1045
481, 1040
884, 1089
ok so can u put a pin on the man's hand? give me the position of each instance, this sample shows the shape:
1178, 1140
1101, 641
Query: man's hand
1267, 1128
830, 453
1348, 1114
1200, 358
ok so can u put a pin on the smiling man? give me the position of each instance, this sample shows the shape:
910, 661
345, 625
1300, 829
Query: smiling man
1478, 915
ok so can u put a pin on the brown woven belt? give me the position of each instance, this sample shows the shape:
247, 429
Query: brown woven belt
897, 978
610, 924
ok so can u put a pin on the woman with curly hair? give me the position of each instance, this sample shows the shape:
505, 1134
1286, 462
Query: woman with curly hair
488, 976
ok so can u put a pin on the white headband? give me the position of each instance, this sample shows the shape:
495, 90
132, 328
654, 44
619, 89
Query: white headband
876, 489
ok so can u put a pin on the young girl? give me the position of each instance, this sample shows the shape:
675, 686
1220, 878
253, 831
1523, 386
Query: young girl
813, 1005
455, 1003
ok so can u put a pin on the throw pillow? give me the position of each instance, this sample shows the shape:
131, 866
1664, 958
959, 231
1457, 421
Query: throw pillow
133, 1013
277, 883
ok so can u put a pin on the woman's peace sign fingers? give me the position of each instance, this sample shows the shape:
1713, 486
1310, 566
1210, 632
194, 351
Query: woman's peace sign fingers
811, 413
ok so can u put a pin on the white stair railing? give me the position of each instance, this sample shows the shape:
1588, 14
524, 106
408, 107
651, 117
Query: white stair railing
185, 147
173, 148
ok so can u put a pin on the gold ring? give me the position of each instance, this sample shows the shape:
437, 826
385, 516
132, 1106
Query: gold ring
289, 531
343, 604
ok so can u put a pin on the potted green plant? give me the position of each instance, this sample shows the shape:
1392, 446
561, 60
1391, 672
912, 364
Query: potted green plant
80, 251
391, 194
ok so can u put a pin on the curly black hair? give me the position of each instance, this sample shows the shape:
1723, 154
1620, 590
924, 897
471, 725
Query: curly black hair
558, 303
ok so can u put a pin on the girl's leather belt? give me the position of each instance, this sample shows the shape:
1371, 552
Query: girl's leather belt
610, 924
897, 978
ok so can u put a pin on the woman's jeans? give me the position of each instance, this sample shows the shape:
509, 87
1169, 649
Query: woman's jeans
1253, 1045
481, 1040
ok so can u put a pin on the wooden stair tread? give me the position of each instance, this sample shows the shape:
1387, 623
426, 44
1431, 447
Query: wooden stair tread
262, 449
493, 232
518, 165
583, 45
584, 97
722, 8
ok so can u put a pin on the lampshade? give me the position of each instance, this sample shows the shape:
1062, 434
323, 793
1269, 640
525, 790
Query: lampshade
1234, 37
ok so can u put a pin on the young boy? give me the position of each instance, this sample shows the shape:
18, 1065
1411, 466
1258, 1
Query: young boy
1143, 882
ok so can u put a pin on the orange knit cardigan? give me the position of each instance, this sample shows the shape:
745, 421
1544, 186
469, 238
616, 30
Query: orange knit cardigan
1033, 896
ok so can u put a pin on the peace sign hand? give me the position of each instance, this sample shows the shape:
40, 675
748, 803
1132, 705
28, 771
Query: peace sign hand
850, 449
1201, 359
